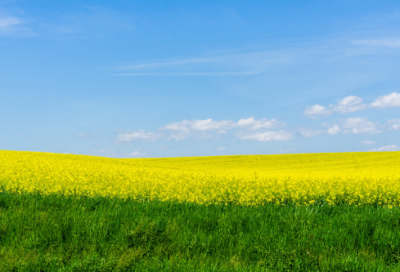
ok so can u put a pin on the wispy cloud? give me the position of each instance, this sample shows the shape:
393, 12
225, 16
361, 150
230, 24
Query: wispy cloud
394, 124
168, 63
245, 128
201, 128
138, 136
308, 132
191, 74
13, 26
138, 154
386, 148
240, 60
367, 142
8, 22
213, 64
267, 136
360, 125
392, 43
324, 68
181, 130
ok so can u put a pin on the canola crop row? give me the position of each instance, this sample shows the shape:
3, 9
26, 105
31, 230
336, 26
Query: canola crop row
362, 178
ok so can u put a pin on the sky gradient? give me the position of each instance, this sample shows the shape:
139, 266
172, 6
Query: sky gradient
199, 78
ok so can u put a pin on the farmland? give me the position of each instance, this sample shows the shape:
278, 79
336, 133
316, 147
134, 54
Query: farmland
302, 179
300, 212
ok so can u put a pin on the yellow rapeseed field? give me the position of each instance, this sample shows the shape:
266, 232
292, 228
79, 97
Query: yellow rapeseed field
354, 178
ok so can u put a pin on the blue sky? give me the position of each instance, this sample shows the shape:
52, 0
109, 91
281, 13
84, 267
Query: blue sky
199, 78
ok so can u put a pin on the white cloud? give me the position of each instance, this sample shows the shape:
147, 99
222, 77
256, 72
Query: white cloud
349, 104
198, 125
333, 130
253, 124
379, 43
394, 124
209, 124
138, 135
353, 103
386, 148
185, 128
390, 100
267, 136
316, 110
200, 128
367, 142
359, 126
137, 154
307, 132
87, 135
355, 125
221, 148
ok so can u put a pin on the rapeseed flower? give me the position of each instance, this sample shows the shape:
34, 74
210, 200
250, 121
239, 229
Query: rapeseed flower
362, 178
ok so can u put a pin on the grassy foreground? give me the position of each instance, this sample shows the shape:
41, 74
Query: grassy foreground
55, 233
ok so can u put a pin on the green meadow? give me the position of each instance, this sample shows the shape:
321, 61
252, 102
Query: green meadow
56, 233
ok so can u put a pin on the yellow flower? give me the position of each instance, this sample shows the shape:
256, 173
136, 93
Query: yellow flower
302, 179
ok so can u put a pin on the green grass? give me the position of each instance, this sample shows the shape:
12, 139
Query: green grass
68, 234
